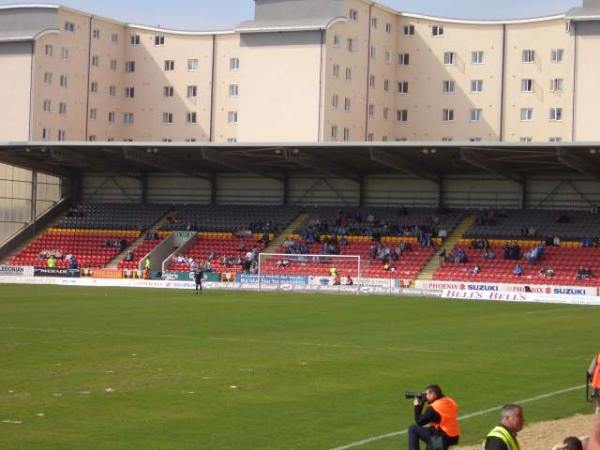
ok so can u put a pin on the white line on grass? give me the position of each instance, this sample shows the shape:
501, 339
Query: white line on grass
465, 417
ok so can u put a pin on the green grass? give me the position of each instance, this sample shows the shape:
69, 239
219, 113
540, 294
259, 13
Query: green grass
312, 371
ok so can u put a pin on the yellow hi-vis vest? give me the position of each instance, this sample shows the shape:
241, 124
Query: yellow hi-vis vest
503, 434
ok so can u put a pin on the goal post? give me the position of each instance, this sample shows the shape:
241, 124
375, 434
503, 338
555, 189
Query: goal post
309, 271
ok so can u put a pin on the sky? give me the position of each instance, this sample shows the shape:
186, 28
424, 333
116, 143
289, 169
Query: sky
210, 14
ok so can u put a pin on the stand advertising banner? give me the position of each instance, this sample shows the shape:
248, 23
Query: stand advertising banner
510, 288
247, 278
64, 273
14, 271
188, 276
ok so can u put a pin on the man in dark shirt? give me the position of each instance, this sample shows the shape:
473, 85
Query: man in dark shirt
504, 436
198, 275
441, 418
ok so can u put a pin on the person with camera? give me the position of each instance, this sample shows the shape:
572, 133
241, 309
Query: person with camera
437, 426
594, 379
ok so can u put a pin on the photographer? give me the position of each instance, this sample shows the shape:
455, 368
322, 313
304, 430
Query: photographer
441, 418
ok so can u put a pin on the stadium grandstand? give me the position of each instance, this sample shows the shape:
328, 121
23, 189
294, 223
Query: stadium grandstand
415, 213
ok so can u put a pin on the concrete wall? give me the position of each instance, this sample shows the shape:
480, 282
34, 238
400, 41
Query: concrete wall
16, 60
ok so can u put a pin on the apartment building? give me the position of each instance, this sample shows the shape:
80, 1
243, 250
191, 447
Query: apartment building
300, 71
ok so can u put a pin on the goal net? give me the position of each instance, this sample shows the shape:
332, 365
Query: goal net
308, 272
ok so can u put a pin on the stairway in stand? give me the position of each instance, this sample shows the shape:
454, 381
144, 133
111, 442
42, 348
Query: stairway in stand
275, 244
454, 238
114, 264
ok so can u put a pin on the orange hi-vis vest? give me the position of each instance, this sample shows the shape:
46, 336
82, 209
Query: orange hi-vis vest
448, 411
596, 374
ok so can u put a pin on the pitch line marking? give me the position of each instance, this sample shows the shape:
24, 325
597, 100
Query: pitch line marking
465, 417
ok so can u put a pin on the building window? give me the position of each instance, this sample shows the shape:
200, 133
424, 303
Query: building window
192, 65
556, 85
449, 58
234, 63
336, 70
475, 115
62, 135
402, 115
48, 50
555, 139
167, 117
334, 101
448, 87
64, 81
93, 114
526, 139
557, 55
232, 117
113, 65
526, 85
112, 91
387, 56
437, 31
372, 81
353, 14
232, 140
130, 66
129, 92
347, 104
194, 140
70, 27
388, 27
555, 114
528, 56
409, 30
169, 65
62, 108
346, 134
47, 106
476, 86
191, 117
447, 139
96, 33
114, 38
159, 40
477, 57
192, 91
128, 118
46, 134
448, 115
371, 109
526, 114
475, 139
370, 137
386, 85
48, 77
111, 117
168, 91
403, 59
92, 138
95, 60
134, 39
94, 87
350, 44
234, 90
64, 53
334, 131
374, 22
336, 39
386, 113
348, 74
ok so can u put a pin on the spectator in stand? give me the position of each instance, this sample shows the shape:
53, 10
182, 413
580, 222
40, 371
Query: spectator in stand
73, 264
51, 262
207, 266
488, 254
547, 272
129, 256
556, 241
518, 271
349, 280
475, 270
587, 241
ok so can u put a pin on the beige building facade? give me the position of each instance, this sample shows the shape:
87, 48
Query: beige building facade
300, 71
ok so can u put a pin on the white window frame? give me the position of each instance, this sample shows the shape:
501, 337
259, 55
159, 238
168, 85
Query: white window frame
192, 64
402, 115
448, 86
409, 30
448, 115
477, 57
232, 117
449, 58
191, 91
437, 30
557, 55
476, 86
475, 114
528, 56
527, 85
168, 118
526, 114
556, 114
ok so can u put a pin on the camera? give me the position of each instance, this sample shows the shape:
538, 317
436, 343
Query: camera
410, 395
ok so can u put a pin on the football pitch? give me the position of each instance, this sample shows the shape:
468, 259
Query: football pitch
94, 368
